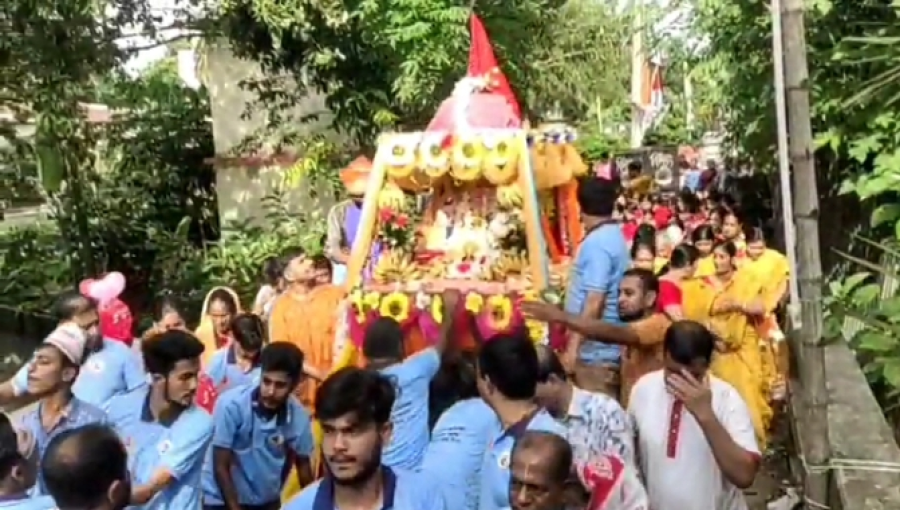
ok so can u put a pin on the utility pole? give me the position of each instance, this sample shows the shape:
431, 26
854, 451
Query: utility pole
637, 74
808, 269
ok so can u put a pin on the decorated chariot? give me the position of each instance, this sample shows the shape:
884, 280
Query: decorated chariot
477, 202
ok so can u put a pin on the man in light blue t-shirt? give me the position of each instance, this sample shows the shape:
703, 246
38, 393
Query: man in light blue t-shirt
593, 290
355, 408
165, 433
383, 348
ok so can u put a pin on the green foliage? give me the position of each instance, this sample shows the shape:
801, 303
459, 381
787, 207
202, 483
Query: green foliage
854, 59
387, 65
32, 273
864, 309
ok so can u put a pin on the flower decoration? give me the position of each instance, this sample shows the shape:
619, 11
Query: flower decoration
437, 309
537, 330
395, 306
498, 313
501, 158
370, 301
356, 300
401, 155
434, 158
396, 231
474, 302
468, 153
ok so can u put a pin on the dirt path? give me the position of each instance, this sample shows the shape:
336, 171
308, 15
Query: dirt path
774, 477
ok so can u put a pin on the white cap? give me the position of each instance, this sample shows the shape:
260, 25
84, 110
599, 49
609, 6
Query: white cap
70, 339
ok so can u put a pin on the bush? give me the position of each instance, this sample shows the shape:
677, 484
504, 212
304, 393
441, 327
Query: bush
34, 266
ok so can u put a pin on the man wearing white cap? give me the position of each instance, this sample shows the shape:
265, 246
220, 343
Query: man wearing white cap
110, 367
51, 374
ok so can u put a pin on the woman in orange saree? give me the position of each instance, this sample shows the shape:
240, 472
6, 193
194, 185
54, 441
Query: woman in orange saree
730, 303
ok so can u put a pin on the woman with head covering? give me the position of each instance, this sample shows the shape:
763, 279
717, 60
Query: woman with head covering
219, 307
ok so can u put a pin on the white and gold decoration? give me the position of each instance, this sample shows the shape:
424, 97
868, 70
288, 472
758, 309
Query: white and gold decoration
402, 154
501, 157
467, 157
434, 158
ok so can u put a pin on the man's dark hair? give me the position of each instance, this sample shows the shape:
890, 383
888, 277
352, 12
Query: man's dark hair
510, 362
320, 261
549, 364
290, 254
688, 341
71, 303
649, 281
597, 197
557, 450
9, 447
383, 340
282, 357
249, 331
364, 394
634, 166
273, 268
81, 464
168, 348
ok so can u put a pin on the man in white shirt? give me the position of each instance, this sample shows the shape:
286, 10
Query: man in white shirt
695, 438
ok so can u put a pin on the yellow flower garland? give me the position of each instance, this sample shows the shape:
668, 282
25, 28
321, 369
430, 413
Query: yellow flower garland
437, 309
396, 306
474, 302
499, 310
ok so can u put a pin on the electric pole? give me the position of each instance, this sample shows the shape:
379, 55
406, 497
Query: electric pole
807, 271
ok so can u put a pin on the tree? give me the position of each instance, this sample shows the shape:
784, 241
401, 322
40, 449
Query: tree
387, 64
57, 56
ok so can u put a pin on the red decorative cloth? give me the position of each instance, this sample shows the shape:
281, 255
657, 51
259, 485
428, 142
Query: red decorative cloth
206, 393
116, 321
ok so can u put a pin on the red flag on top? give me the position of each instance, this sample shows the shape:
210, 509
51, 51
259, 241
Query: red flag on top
482, 62
495, 107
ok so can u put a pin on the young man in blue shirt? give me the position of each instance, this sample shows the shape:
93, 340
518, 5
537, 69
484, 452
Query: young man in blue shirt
19, 470
258, 430
508, 372
87, 469
238, 364
165, 434
110, 367
456, 452
593, 291
51, 374
353, 406
383, 348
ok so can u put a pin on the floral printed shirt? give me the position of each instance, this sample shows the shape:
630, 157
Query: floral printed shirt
597, 425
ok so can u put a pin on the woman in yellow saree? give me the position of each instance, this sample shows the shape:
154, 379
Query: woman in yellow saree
730, 302
703, 239
772, 270
219, 307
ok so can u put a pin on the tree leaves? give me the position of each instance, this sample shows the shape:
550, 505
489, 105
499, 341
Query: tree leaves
387, 64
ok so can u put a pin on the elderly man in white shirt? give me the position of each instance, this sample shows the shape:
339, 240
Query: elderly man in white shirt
596, 424
696, 443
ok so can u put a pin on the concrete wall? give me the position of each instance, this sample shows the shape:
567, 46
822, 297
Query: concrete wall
243, 179
860, 439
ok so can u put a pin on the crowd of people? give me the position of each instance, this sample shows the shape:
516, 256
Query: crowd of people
661, 399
